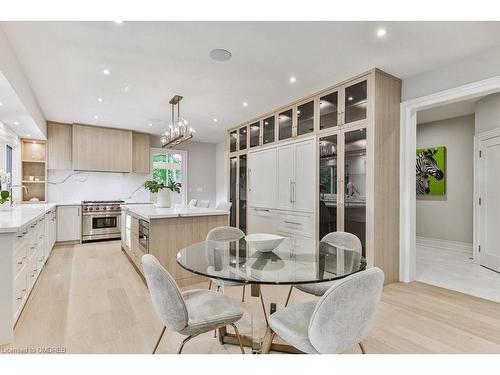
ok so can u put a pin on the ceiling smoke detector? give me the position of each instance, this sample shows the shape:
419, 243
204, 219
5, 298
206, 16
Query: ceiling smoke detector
220, 54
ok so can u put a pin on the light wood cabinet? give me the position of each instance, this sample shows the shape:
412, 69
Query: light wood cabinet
102, 149
350, 177
141, 153
59, 146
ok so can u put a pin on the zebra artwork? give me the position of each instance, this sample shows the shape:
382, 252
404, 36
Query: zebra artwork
430, 163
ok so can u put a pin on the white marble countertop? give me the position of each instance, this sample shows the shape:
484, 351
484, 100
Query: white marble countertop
14, 218
149, 211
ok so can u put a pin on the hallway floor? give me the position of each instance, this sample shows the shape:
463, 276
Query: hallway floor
454, 270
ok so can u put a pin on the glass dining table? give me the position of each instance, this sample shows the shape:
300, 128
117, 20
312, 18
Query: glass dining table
294, 261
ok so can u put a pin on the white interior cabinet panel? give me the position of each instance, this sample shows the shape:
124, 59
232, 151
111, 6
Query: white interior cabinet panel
263, 179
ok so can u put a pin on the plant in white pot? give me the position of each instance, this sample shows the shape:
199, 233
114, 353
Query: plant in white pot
163, 191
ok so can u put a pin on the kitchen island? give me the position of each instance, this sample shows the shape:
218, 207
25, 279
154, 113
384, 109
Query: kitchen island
162, 232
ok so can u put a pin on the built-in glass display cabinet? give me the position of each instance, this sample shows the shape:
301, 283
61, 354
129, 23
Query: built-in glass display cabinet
233, 141
243, 138
355, 101
255, 134
329, 110
305, 118
285, 124
342, 187
268, 124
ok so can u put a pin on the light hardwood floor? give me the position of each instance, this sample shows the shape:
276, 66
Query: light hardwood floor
89, 299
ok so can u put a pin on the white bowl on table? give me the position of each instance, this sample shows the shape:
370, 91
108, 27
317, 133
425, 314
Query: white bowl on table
264, 242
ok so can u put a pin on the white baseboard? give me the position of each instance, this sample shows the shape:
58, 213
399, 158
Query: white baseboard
445, 244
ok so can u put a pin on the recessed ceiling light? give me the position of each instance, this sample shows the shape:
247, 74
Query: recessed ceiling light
106, 71
215, 120
16, 122
99, 100
381, 32
220, 54
350, 98
150, 124
96, 116
245, 104
118, 22
1, 103
27, 135
293, 79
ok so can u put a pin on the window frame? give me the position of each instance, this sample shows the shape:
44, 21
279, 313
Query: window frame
184, 169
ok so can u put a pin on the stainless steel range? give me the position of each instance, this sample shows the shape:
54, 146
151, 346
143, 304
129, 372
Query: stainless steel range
100, 220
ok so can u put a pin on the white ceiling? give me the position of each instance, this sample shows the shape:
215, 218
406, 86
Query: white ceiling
443, 112
152, 61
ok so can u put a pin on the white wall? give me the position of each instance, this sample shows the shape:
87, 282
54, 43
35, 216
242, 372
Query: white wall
221, 172
471, 69
449, 217
488, 113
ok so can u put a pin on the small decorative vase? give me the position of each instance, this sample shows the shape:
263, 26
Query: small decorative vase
163, 198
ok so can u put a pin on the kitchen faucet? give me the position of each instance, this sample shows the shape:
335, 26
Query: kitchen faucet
12, 187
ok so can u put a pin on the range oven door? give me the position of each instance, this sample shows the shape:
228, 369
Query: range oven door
100, 226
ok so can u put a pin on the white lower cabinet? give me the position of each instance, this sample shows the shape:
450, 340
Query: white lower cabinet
261, 220
22, 258
69, 223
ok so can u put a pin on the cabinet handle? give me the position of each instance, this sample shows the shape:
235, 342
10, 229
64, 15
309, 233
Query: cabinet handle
19, 298
21, 262
249, 183
292, 222
262, 209
291, 192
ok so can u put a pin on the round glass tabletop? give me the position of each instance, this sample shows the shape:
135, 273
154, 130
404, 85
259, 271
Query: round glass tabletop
293, 261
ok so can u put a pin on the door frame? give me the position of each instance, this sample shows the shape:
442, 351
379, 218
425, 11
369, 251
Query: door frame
478, 140
408, 145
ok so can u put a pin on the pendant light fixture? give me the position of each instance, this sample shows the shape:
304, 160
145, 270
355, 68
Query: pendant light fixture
178, 130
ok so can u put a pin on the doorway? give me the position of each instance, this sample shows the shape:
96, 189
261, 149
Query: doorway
408, 134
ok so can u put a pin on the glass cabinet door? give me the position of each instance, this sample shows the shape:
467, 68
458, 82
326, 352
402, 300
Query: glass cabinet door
305, 118
233, 172
243, 138
268, 133
355, 184
242, 204
328, 198
285, 123
255, 134
355, 102
233, 141
328, 110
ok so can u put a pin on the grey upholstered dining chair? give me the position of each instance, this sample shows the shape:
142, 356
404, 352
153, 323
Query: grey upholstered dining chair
190, 313
342, 317
225, 234
193, 202
203, 204
231, 234
344, 239
225, 206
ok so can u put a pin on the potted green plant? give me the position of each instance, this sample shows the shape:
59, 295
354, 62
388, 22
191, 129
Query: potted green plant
163, 191
4, 194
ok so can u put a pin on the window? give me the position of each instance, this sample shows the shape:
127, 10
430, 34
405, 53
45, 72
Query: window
170, 165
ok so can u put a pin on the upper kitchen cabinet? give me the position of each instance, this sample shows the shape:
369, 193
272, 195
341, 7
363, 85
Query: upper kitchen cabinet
101, 149
59, 144
255, 134
233, 141
329, 110
268, 130
305, 118
141, 152
285, 124
355, 102
242, 138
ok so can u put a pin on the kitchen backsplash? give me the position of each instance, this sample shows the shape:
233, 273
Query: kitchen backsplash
69, 186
